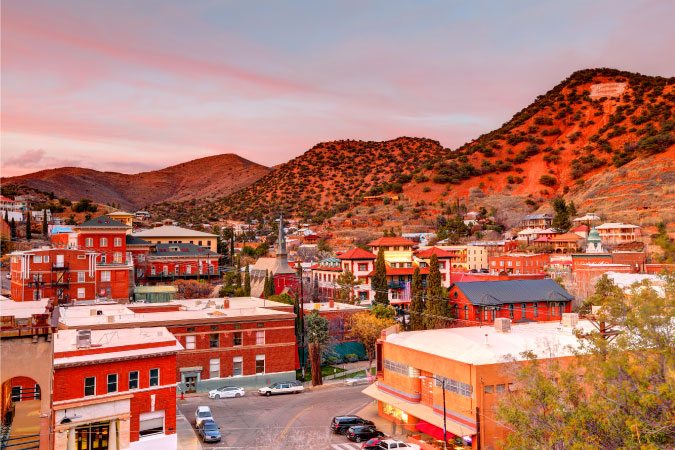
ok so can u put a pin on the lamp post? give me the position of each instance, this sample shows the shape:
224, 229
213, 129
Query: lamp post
442, 380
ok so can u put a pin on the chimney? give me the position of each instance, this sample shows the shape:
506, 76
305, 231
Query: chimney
331, 304
503, 325
226, 303
570, 320
486, 339
83, 339
111, 319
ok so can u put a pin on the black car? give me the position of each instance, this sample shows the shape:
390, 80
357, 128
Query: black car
361, 433
341, 424
209, 431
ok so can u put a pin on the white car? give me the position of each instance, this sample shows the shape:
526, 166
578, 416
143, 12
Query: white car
201, 414
287, 387
227, 392
392, 443
358, 379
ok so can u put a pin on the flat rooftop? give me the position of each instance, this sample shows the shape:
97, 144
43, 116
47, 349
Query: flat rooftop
325, 306
467, 344
22, 310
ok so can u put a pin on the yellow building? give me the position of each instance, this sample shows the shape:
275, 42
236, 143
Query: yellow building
124, 217
169, 234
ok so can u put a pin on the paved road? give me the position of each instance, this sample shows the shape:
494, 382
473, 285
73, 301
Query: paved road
285, 421
5, 284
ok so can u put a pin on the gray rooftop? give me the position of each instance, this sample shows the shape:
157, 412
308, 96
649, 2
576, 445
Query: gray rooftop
493, 293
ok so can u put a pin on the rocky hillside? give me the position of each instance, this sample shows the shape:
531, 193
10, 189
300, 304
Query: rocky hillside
211, 177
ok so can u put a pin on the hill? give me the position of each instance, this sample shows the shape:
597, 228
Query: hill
602, 137
210, 177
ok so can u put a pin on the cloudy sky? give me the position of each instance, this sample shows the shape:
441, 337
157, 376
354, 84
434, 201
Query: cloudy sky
138, 85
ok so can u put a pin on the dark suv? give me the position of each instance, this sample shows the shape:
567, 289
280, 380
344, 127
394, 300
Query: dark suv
341, 424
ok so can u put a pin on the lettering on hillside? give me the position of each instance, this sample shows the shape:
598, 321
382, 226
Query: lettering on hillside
607, 90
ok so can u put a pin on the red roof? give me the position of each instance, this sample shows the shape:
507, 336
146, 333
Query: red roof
434, 251
580, 228
5, 199
328, 268
463, 277
387, 241
357, 253
542, 239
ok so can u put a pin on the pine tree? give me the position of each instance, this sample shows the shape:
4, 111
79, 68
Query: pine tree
272, 288
266, 285
238, 269
436, 306
379, 284
561, 220
572, 209
232, 249
12, 227
247, 282
417, 302
45, 230
29, 234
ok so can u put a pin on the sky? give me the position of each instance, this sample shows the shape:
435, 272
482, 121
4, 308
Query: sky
138, 85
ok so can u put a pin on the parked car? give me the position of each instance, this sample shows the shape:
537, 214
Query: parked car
227, 392
371, 444
360, 433
358, 379
392, 443
202, 413
209, 431
287, 387
341, 424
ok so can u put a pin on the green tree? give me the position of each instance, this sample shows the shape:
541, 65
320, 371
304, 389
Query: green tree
45, 229
561, 220
416, 302
346, 282
615, 394
436, 305
316, 332
383, 311
367, 328
247, 282
604, 290
238, 273
571, 209
323, 246
12, 227
379, 283
29, 233
266, 286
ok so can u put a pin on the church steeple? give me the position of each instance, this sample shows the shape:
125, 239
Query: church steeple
281, 240
282, 266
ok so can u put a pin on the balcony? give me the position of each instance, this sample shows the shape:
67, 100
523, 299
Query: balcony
59, 266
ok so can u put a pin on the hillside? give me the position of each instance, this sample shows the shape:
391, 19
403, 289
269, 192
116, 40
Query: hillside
210, 177
602, 137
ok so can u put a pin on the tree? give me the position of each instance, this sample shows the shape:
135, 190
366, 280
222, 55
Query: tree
247, 282
316, 331
45, 230
604, 290
561, 220
571, 209
436, 305
266, 286
346, 282
12, 227
416, 302
616, 393
193, 288
323, 246
237, 268
29, 233
379, 283
367, 328
232, 249
383, 311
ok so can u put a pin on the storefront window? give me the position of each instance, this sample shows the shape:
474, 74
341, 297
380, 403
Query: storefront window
395, 412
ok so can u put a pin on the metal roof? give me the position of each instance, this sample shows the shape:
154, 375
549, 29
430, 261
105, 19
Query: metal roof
180, 249
103, 222
493, 293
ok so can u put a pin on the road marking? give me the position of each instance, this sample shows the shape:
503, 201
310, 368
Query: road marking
345, 446
283, 433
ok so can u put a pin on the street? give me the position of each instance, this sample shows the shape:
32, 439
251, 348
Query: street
284, 421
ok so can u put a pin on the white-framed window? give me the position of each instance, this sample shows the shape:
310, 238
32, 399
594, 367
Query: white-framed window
80, 293
45, 258
89, 242
237, 366
154, 377
118, 242
103, 259
214, 368
37, 259
117, 257
103, 242
133, 379
189, 342
259, 364
112, 382
80, 277
105, 275
260, 337
363, 267
89, 386
151, 424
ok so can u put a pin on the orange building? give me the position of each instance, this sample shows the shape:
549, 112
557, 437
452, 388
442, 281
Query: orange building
414, 367
519, 263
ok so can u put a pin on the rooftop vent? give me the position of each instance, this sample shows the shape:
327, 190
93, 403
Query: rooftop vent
83, 339
503, 325
570, 320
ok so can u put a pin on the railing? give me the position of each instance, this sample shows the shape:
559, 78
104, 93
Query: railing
20, 442
60, 266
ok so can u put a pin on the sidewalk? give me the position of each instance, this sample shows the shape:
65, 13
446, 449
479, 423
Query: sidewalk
387, 427
187, 438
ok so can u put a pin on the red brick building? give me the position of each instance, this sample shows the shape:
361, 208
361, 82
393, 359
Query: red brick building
65, 274
579, 259
481, 302
519, 263
115, 388
167, 262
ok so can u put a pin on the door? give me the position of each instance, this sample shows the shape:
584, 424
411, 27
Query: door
59, 260
92, 437
191, 383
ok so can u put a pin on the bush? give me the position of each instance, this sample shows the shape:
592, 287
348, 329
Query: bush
351, 357
548, 180
426, 189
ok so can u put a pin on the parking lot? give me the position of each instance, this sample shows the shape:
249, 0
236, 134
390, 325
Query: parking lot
283, 421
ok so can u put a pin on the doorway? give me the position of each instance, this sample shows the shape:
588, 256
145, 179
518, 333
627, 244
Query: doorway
191, 383
93, 436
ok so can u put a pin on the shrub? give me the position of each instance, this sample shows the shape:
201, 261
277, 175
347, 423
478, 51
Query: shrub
426, 189
548, 180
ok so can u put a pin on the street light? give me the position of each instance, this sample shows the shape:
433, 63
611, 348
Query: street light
442, 380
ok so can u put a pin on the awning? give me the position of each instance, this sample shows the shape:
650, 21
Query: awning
432, 430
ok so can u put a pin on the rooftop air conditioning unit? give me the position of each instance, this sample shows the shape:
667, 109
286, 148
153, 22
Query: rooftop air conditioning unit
83, 339
503, 325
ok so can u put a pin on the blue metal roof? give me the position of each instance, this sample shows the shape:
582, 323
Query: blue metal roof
493, 293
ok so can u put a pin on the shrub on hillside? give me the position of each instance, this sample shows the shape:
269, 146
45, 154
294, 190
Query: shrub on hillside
548, 180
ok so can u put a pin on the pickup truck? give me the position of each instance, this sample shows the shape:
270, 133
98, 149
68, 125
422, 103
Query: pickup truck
286, 387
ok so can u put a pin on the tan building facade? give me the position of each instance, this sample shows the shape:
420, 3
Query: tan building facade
169, 234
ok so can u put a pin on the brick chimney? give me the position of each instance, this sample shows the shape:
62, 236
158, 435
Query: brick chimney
331, 304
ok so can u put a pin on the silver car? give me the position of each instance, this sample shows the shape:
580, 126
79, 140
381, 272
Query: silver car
227, 392
358, 379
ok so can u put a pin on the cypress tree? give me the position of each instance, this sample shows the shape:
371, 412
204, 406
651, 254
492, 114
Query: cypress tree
29, 234
44, 224
266, 285
436, 306
379, 283
247, 282
238, 276
232, 248
12, 226
417, 302
272, 288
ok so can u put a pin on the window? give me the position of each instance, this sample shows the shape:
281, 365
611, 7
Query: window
80, 293
214, 340
561, 308
259, 338
237, 338
165, 270
397, 367
455, 386
80, 277
117, 257
511, 310
260, 325
103, 242
133, 380
89, 386
214, 368
441, 265
151, 423
534, 306
153, 271
118, 242
45, 258
103, 259
112, 382
105, 275
154, 377
259, 364
523, 308
16, 393
190, 329
89, 242
363, 267
499, 388
518, 263
489, 389
237, 366
466, 312
189, 342
37, 259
